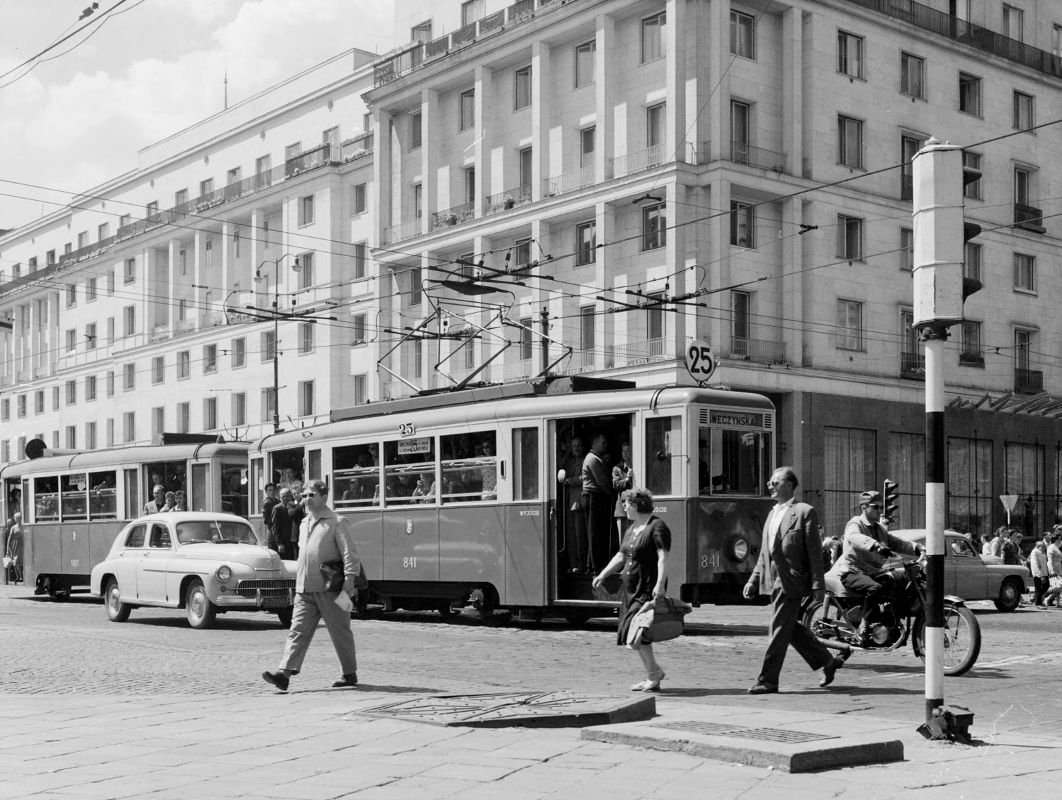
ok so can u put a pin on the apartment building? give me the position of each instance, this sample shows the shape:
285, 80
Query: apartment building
161, 300
629, 176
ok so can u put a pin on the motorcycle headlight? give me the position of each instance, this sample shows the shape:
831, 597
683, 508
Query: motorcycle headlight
739, 549
223, 573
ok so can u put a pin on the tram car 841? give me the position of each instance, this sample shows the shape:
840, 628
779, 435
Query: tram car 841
74, 503
476, 496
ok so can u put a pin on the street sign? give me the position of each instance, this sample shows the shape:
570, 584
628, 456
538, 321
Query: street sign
1009, 501
700, 362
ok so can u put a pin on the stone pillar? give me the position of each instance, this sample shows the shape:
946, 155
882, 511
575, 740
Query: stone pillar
604, 89
675, 261
792, 89
604, 337
171, 287
718, 322
381, 176
792, 331
540, 295
481, 148
719, 62
257, 223
433, 140
226, 248
541, 107
675, 78
197, 276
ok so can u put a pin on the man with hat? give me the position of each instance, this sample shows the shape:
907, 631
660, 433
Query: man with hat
867, 545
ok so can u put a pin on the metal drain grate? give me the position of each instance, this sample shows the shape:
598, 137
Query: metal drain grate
740, 732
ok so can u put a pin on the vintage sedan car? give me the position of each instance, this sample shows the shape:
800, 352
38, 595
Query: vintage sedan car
205, 563
971, 576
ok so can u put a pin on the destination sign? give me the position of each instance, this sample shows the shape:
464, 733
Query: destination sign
414, 446
735, 418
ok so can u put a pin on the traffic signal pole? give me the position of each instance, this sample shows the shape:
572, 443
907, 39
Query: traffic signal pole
939, 292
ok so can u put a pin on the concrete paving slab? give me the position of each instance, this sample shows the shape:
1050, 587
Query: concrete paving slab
802, 745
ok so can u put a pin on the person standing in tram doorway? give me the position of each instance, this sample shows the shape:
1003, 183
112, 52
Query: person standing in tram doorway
622, 480
324, 538
597, 503
571, 480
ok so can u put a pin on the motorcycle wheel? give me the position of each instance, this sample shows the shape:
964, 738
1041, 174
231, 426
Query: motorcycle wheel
821, 623
962, 640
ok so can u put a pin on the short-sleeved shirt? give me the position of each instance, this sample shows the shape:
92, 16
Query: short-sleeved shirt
640, 558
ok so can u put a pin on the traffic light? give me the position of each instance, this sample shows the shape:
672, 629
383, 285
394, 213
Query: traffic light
969, 231
891, 499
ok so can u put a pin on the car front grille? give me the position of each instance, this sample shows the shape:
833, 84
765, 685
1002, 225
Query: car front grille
276, 587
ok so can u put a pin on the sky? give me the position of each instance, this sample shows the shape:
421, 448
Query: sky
142, 72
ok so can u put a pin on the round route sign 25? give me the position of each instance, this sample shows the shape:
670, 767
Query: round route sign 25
700, 362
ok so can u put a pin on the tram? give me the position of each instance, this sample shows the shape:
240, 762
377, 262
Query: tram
74, 503
467, 496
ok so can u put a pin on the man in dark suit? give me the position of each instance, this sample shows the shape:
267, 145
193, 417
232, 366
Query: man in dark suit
789, 569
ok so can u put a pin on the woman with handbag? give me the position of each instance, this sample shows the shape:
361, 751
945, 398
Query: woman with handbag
643, 559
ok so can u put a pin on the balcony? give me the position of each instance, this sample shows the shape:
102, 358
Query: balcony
760, 351
639, 160
570, 181
580, 361
1028, 381
975, 36
744, 153
643, 352
699, 154
1029, 218
510, 198
417, 54
514, 371
457, 215
394, 390
358, 147
401, 231
913, 365
183, 326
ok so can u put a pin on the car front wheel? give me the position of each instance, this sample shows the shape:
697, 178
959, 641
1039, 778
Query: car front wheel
200, 611
1009, 595
117, 611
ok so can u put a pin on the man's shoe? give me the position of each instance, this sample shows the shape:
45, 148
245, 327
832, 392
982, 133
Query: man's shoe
349, 679
278, 679
830, 670
762, 687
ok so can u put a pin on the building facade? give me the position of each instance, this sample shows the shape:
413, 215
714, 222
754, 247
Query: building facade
589, 186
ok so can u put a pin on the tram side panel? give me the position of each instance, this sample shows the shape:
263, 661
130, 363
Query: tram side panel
75, 554
411, 544
368, 539
525, 556
472, 545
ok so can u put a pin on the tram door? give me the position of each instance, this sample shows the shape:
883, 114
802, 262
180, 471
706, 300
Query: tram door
585, 531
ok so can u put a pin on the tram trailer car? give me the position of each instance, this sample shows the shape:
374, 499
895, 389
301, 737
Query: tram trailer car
74, 503
459, 498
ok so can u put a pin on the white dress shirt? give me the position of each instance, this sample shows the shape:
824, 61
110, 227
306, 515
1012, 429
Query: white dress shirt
774, 522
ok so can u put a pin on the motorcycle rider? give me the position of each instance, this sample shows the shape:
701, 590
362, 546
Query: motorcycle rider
867, 545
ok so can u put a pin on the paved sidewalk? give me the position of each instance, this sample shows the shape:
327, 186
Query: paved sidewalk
312, 745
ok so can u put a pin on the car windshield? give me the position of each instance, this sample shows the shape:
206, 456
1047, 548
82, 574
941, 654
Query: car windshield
215, 531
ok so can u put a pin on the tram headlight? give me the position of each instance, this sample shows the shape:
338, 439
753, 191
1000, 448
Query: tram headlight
223, 573
739, 549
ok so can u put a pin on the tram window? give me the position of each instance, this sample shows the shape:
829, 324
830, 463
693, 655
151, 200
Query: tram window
258, 486
525, 464
315, 465
74, 495
46, 499
469, 467
409, 471
733, 461
663, 438
199, 500
103, 495
234, 489
288, 469
170, 475
132, 507
356, 475
135, 537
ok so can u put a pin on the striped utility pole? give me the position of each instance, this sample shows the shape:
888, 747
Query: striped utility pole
940, 289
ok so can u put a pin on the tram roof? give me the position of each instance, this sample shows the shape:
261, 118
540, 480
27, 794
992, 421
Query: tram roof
557, 397
114, 456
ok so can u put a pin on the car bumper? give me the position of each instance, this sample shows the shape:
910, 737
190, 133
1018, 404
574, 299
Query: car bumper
268, 603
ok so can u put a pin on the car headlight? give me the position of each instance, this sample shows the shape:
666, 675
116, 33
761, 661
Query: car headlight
223, 573
739, 549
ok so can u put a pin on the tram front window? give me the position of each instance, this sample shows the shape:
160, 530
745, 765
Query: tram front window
469, 467
733, 461
409, 471
356, 475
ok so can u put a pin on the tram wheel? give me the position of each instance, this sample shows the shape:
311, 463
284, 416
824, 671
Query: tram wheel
61, 593
578, 616
485, 601
445, 609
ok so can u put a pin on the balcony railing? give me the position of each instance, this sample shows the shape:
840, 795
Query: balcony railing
1028, 381
403, 230
183, 326
1029, 218
913, 365
453, 216
639, 160
358, 147
580, 361
744, 153
642, 352
975, 36
520, 370
698, 154
570, 181
761, 351
418, 54
510, 198
394, 390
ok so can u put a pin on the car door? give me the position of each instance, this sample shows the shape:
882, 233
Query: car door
151, 569
125, 565
965, 574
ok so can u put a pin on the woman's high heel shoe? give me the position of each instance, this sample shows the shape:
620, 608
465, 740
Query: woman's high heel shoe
648, 685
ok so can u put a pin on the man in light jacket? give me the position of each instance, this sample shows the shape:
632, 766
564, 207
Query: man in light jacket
323, 537
1038, 567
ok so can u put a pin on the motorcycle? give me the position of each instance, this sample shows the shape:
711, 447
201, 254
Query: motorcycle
835, 621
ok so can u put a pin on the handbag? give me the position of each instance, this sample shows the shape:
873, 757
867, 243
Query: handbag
335, 577
657, 621
1056, 581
